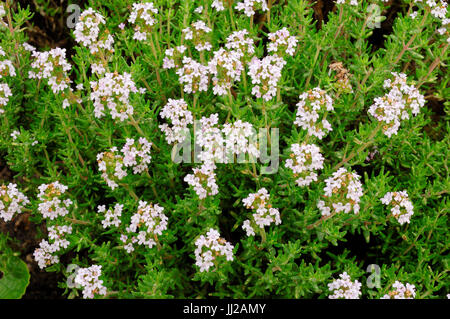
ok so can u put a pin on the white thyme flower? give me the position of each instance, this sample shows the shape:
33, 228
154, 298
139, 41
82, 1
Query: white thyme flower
98, 68
28, 47
193, 75
198, 34
137, 155
249, 6
12, 201
112, 167
264, 214
177, 112
2, 10
198, 9
146, 225
226, 68
240, 139
44, 254
203, 180
209, 137
113, 92
401, 291
5, 93
210, 248
57, 235
282, 42
241, 42
396, 105
401, 206
15, 134
218, 5
344, 288
112, 216
343, 192
439, 10
89, 280
174, 57
53, 67
143, 17
52, 205
265, 75
304, 160
312, 109
6, 65
90, 31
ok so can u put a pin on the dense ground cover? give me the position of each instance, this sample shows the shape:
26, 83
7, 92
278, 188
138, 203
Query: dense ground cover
322, 132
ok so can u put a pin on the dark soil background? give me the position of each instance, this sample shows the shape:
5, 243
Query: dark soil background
49, 31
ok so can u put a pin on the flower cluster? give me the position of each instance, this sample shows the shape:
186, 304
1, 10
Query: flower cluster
303, 161
113, 92
146, 225
173, 57
179, 115
265, 214
240, 138
226, 68
198, 33
91, 33
282, 42
343, 191
249, 6
52, 205
45, 254
203, 180
112, 217
218, 5
209, 248
137, 155
312, 110
402, 208
98, 68
143, 17
344, 288
439, 10
6, 65
89, 280
12, 201
265, 74
396, 104
401, 291
112, 167
6, 69
198, 10
52, 66
15, 134
5, 93
2, 10
241, 42
210, 138
193, 75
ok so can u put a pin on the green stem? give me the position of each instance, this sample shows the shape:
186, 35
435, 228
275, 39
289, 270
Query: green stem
262, 232
369, 142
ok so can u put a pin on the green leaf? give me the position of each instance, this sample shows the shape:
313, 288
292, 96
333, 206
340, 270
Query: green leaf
16, 277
